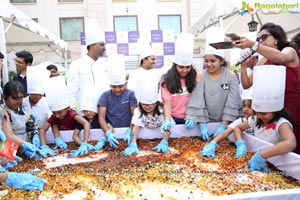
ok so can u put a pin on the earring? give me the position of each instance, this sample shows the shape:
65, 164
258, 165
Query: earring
275, 42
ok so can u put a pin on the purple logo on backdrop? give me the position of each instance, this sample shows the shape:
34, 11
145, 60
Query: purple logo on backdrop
156, 36
82, 38
122, 49
133, 36
110, 37
169, 48
159, 61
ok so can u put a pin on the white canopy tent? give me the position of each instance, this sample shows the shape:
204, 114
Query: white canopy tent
19, 32
227, 14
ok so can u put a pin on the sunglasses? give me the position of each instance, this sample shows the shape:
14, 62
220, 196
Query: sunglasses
263, 37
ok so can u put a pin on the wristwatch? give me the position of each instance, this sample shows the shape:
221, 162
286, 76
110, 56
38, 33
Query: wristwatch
255, 46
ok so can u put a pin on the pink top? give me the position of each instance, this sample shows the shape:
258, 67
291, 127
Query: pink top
178, 101
67, 123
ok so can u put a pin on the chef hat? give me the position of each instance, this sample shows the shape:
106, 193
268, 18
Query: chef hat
93, 34
148, 91
144, 48
268, 88
184, 49
90, 98
36, 80
213, 35
247, 93
116, 71
56, 93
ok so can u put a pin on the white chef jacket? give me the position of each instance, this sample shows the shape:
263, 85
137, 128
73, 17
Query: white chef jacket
83, 72
138, 77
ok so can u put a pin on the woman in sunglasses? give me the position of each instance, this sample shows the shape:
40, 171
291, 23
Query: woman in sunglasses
272, 44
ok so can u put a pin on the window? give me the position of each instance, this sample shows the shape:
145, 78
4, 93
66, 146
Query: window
125, 23
170, 22
22, 1
70, 28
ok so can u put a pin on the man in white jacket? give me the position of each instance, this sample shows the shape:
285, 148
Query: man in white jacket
145, 72
87, 69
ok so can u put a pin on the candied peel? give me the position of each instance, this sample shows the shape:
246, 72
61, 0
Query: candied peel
151, 175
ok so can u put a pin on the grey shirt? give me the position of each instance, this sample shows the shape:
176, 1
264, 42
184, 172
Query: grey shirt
215, 100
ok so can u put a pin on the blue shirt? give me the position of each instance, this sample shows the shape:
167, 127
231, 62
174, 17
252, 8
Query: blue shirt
22, 80
118, 107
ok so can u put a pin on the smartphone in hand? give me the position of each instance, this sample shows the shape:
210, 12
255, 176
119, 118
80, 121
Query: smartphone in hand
233, 36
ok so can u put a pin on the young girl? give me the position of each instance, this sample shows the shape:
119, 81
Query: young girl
272, 122
179, 82
18, 113
147, 115
210, 148
216, 97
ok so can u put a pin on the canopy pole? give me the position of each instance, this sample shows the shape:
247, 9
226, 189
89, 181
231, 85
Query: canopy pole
3, 51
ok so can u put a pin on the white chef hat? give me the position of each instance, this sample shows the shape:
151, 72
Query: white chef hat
247, 93
90, 98
93, 34
213, 35
268, 88
148, 91
36, 80
56, 93
144, 48
116, 71
184, 48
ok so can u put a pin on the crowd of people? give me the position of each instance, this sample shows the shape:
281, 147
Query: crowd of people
98, 97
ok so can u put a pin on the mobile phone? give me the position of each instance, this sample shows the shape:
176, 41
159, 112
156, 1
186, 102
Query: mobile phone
233, 36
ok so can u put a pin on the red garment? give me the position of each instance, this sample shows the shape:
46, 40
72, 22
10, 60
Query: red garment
67, 123
292, 98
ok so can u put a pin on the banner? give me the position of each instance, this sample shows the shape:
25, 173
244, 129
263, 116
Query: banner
125, 42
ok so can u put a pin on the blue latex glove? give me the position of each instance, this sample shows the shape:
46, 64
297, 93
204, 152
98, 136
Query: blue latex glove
241, 148
166, 127
36, 140
12, 164
2, 135
131, 149
209, 149
29, 149
204, 131
100, 144
189, 124
60, 143
220, 129
90, 147
45, 150
112, 139
24, 181
128, 136
82, 150
257, 163
163, 147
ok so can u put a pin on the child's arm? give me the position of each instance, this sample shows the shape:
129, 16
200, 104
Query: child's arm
132, 147
86, 129
76, 136
287, 144
239, 129
223, 135
135, 132
101, 118
43, 131
241, 148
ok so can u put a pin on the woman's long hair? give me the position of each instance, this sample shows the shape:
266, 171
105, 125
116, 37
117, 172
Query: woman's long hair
172, 80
